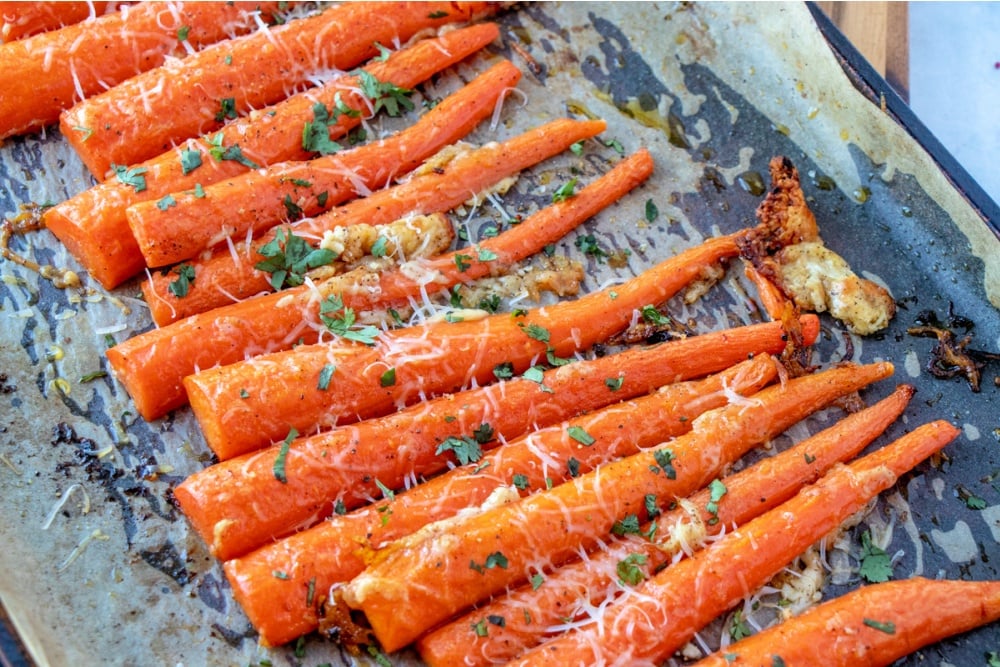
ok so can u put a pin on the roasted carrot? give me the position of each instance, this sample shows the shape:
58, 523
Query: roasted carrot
874, 625
249, 404
24, 19
771, 298
411, 588
258, 200
153, 364
93, 224
340, 466
150, 113
668, 608
332, 553
227, 275
42, 75
530, 612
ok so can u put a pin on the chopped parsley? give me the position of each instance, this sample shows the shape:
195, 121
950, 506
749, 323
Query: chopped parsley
537, 580
564, 191
576, 148
614, 384
495, 559
629, 525
479, 627
535, 374
490, 303
716, 490
497, 620
589, 246
133, 177
227, 109
653, 316
339, 508
462, 261
180, 286
485, 255
580, 435
289, 257
233, 153
465, 449
616, 145
536, 332
664, 459
316, 134
503, 371
381, 247
387, 493
651, 211
383, 53
520, 481
388, 378
183, 32
325, 375
279, 461
293, 210
167, 202
888, 627
876, 566
652, 507
384, 95
738, 627
439, 14
573, 467
629, 569
341, 320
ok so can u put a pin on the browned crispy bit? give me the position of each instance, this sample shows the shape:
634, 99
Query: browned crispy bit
952, 357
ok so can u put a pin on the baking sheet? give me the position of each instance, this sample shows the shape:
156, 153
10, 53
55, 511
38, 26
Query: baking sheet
713, 91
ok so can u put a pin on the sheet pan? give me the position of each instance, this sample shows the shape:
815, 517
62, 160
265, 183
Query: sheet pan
713, 91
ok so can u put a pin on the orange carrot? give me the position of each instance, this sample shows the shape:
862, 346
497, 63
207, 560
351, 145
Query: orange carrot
24, 19
670, 607
153, 364
93, 224
258, 200
227, 275
411, 588
152, 112
331, 552
771, 298
42, 75
247, 405
529, 612
874, 626
224, 502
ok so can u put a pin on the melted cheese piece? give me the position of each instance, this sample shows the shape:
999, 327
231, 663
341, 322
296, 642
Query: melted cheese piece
821, 280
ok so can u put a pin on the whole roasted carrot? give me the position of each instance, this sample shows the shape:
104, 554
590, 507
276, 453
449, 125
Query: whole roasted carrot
411, 588
150, 113
339, 467
258, 200
336, 550
530, 612
153, 364
874, 626
42, 75
227, 275
93, 224
24, 19
249, 404
670, 607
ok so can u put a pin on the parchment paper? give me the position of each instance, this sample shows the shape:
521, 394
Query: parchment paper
713, 91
